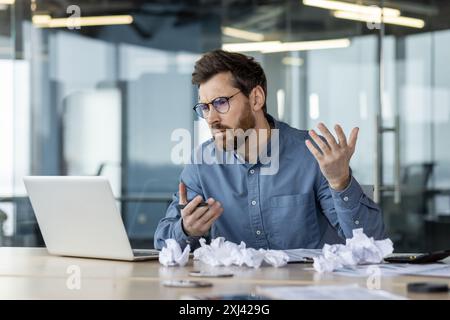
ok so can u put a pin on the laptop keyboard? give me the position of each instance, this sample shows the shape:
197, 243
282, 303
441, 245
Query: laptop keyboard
144, 253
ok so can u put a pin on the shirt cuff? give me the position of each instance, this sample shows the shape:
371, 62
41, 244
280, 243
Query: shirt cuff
182, 238
349, 197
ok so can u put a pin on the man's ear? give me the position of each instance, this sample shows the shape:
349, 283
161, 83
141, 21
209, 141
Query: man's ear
257, 98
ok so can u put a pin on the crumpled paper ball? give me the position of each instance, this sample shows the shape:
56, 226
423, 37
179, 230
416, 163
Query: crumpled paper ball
225, 253
171, 254
358, 250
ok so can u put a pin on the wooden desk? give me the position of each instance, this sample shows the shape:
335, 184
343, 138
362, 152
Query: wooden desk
30, 273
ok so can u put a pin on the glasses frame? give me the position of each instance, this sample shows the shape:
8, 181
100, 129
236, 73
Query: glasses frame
200, 114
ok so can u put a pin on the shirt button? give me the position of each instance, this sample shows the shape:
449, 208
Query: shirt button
258, 232
253, 202
356, 222
345, 198
252, 171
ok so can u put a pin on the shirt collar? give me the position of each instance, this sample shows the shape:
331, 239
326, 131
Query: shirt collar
274, 124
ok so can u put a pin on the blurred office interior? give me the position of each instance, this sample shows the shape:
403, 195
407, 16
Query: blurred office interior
103, 97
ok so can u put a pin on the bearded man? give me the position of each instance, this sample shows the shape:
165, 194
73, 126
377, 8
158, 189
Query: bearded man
310, 199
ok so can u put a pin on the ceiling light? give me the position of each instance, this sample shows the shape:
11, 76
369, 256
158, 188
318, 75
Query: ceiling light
250, 46
277, 46
242, 34
401, 21
43, 21
351, 7
308, 45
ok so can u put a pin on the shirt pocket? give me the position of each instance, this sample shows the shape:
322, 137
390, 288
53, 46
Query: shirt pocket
288, 201
293, 221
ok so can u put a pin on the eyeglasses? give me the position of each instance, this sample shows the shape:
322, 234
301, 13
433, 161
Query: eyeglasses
221, 104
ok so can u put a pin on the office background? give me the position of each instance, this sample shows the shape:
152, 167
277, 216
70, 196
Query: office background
105, 99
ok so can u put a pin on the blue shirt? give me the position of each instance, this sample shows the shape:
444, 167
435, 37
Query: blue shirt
294, 208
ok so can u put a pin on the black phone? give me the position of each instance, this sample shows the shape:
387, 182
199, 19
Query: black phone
429, 257
202, 204
187, 283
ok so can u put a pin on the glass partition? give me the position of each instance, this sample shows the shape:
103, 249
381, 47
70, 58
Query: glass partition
106, 98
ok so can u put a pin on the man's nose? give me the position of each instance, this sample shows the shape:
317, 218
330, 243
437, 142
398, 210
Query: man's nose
213, 116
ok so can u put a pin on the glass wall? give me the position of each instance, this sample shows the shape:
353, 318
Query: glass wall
106, 99
418, 92
7, 116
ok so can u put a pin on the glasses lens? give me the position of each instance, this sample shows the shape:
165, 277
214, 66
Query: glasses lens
202, 109
221, 105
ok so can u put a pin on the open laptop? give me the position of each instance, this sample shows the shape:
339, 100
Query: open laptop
78, 216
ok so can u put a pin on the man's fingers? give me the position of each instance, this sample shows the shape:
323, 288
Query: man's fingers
341, 136
200, 211
353, 138
322, 145
182, 193
209, 218
328, 136
316, 153
213, 210
195, 214
190, 221
191, 206
202, 221
216, 216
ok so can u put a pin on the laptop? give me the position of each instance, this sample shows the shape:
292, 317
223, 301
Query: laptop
78, 216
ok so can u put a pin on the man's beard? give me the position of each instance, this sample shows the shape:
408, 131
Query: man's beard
229, 139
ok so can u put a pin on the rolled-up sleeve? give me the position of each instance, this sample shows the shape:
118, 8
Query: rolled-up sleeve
171, 227
350, 209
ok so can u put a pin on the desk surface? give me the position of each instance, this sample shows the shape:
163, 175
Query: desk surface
30, 273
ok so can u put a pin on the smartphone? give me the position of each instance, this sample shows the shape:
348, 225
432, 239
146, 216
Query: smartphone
202, 204
187, 283
427, 287
417, 257
210, 274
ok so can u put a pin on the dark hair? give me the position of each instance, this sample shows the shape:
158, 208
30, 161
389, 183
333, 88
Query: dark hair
247, 73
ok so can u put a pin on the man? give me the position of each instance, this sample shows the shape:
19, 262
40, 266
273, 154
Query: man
312, 199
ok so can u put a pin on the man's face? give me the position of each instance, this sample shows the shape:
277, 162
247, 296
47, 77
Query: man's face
239, 115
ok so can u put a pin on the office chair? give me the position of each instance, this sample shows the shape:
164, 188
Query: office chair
415, 180
3, 218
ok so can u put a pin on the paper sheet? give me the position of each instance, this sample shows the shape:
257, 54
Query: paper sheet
396, 269
321, 292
